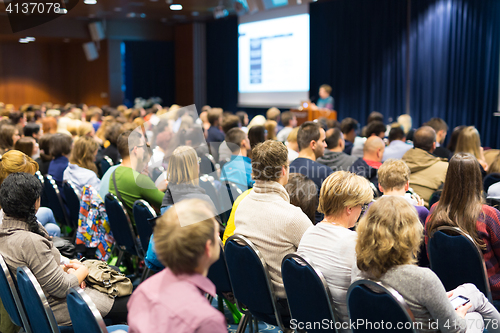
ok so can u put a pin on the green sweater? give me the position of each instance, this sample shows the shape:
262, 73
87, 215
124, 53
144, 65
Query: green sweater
135, 186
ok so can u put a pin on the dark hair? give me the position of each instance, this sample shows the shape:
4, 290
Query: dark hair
375, 116
396, 133
256, 135
241, 115
348, 124
437, 124
25, 145
424, 138
230, 122
308, 131
286, 117
122, 143
375, 127
303, 194
332, 140
60, 144
31, 128
18, 195
454, 138
457, 207
233, 139
44, 144
213, 115
112, 133
15, 117
268, 159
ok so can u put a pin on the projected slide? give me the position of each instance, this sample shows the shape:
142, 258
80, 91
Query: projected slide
274, 58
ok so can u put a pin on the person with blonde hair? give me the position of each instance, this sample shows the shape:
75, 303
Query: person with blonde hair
389, 238
470, 142
292, 145
81, 169
186, 239
271, 129
330, 244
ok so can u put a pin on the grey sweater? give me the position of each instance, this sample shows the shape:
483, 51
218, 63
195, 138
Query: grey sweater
337, 160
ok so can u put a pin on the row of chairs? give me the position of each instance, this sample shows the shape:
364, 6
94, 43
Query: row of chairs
28, 294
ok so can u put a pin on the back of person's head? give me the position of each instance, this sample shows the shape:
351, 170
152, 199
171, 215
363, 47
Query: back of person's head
112, 133
270, 127
86, 128
333, 136
437, 124
84, 152
469, 142
214, 115
424, 138
229, 122
375, 128
234, 138
164, 138
308, 131
183, 166
343, 189
268, 160
396, 133
303, 194
258, 120
375, 116
49, 125
181, 236
389, 235
31, 128
495, 165
44, 144
393, 174
452, 145
16, 161
256, 135
6, 136
374, 145
286, 118
123, 143
25, 145
405, 121
292, 137
243, 117
348, 124
15, 117
19, 193
273, 114
60, 144
461, 200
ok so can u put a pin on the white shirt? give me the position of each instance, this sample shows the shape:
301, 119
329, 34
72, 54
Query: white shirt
81, 177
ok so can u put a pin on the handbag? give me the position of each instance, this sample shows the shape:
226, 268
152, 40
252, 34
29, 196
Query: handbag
65, 247
106, 280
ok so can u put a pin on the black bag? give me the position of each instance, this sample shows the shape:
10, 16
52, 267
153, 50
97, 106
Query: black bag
65, 247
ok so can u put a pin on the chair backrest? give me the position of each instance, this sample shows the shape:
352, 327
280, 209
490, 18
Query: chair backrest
55, 201
375, 303
143, 212
489, 180
227, 195
207, 183
307, 292
44, 200
34, 299
72, 202
250, 280
10, 298
208, 166
219, 274
121, 226
84, 314
456, 259
105, 164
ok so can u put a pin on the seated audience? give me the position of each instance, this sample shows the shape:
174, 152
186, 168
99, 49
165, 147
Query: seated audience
311, 139
111, 135
334, 156
349, 126
9, 134
397, 144
81, 170
45, 157
389, 237
60, 149
374, 128
469, 142
406, 123
214, 134
228, 123
33, 130
374, 116
258, 120
330, 244
27, 145
428, 172
292, 145
289, 123
266, 217
271, 129
454, 138
256, 135
243, 120
461, 205
239, 168
367, 167
49, 125
303, 194
187, 242
441, 128
24, 243
273, 114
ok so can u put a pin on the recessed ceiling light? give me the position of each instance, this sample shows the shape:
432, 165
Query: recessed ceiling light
143, 15
90, 2
176, 7
30, 39
23, 41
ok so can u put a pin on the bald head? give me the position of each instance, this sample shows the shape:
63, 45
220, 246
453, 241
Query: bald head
425, 139
374, 149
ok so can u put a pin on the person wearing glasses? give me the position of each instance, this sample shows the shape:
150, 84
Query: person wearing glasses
330, 244
128, 181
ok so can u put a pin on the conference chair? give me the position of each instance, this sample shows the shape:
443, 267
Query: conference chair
55, 201
307, 293
489, 180
85, 316
228, 193
44, 202
10, 299
456, 259
39, 314
104, 164
251, 284
143, 214
207, 182
208, 166
123, 231
72, 202
372, 302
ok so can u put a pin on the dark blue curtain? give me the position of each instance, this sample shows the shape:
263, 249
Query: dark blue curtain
149, 69
454, 52
358, 47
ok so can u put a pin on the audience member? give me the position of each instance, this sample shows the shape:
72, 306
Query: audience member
374, 128
187, 242
228, 123
243, 120
349, 126
27, 145
292, 145
289, 122
469, 142
214, 134
441, 129
60, 149
334, 156
461, 205
311, 140
397, 144
111, 136
427, 171
330, 244
303, 194
33, 130
273, 114
49, 125
372, 160
45, 157
266, 217
405, 121
256, 135
9, 135
374, 116
389, 238
271, 129
454, 138
258, 120
81, 170
238, 169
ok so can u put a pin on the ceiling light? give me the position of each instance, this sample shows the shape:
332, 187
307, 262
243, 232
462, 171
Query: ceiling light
90, 2
30, 39
23, 41
143, 15
131, 14
176, 7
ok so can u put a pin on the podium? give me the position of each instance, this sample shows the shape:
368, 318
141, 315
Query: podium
308, 114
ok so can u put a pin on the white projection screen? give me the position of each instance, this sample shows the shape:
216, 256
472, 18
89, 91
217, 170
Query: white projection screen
273, 58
